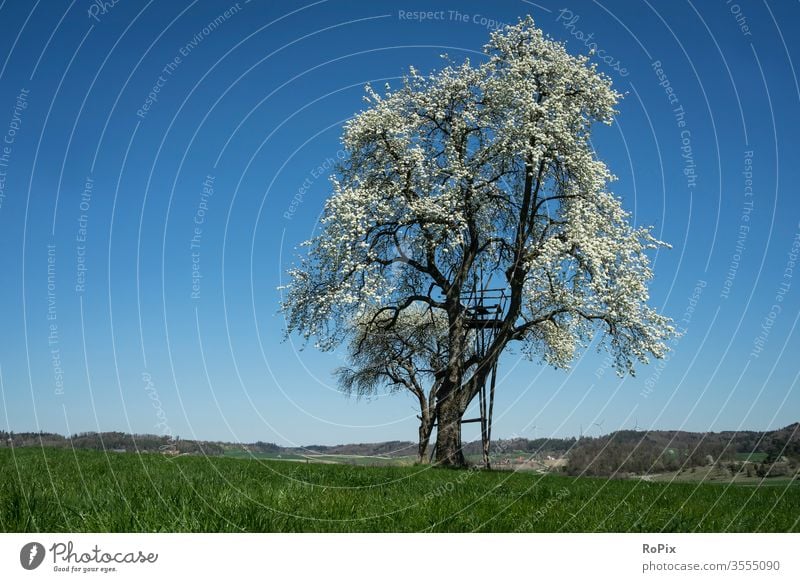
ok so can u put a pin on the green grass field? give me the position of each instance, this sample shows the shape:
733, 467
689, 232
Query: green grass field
61, 490
320, 458
751, 457
239, 454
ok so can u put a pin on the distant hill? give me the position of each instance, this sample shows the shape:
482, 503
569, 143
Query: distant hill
118, 441
619, 453
110, 441
663, 451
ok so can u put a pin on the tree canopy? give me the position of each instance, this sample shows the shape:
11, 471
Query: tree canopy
479, 172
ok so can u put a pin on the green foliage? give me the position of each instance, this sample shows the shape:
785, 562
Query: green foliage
87, 491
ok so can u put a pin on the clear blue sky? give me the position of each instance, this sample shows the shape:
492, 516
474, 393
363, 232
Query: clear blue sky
151, 102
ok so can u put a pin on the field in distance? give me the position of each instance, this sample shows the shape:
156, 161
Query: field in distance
369, 460
86, 491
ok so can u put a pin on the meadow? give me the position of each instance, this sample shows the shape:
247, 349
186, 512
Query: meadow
62, 490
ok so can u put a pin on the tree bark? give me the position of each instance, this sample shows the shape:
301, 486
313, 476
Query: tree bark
449, 411
450, 406
425, 430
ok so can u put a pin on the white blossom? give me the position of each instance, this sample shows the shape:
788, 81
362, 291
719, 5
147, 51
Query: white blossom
479, 170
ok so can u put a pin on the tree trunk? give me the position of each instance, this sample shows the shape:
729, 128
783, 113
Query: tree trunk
450, 405
425, 430
449, 451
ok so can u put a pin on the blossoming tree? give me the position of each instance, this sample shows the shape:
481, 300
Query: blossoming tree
480, 171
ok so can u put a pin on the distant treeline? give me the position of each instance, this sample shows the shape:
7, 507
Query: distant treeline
629, 451
619, 453
110, 441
